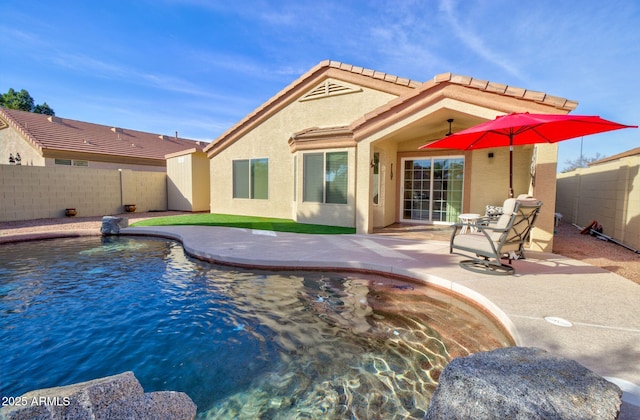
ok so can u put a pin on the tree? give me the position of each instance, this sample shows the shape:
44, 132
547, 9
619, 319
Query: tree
18, 100
24, 102
581, 162
43, 109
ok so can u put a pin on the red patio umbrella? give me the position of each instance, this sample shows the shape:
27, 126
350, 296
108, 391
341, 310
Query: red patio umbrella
518, 129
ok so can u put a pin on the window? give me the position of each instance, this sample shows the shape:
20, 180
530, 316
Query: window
325, 177
69, 162
432, 189
376, 178
251, 178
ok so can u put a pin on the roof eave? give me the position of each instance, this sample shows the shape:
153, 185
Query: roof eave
192, 151
326, 69
501, 98
543, 98
322, 138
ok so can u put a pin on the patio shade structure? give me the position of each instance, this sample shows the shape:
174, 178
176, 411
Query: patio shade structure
518, 129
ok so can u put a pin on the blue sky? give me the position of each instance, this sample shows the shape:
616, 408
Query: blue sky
199, 66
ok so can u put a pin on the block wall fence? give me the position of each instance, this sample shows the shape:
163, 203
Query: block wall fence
608, 193
40, 192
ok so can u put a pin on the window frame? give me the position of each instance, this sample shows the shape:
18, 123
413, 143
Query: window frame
322, 171
71, 162
252, 190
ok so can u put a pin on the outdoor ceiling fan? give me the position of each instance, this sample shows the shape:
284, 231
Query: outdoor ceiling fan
450, 132
450, 120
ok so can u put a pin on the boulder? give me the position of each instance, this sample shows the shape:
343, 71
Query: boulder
522, 383
111, 225
114, 397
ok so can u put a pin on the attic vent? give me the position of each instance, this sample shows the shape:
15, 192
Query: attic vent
54, 119
329, 88
116, 129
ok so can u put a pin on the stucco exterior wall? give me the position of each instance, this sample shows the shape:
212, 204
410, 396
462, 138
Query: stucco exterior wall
201, 188
270, 140
36, 192
384, 213
544, 189
489, 176
12, 142
188, 182
608, 193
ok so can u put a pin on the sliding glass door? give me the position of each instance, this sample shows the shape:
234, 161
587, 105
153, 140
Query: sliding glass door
432, 189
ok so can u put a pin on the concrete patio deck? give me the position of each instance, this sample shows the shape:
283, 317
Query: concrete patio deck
603, 308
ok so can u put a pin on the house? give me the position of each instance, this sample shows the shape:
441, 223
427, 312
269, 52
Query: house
41, 140
608, 191
339, 146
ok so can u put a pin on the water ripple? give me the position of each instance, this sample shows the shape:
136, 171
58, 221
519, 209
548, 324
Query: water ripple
242, 344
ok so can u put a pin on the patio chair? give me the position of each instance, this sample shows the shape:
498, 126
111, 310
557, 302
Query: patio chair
492, 213
503, 239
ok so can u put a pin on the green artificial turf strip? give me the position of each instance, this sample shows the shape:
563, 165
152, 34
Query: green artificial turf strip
247, 222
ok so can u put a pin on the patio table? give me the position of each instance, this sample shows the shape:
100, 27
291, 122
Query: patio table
469, 220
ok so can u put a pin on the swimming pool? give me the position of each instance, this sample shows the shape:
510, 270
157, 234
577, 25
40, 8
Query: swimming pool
241, 343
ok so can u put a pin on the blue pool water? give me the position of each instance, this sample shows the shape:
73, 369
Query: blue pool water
241, 344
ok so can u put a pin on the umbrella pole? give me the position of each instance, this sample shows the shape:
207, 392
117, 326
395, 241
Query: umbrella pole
510, 165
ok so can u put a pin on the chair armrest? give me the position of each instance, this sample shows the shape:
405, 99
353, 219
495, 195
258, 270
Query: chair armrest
480, 228
459, 225
492, 228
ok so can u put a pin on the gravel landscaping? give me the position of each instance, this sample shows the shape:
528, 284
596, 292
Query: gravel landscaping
608, 255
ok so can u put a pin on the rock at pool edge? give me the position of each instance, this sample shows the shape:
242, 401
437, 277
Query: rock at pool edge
114, 397
522, 383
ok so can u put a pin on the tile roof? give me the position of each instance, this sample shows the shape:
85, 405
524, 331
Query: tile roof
406, 90
55, 133
502, 89
369, 73
381, 80
503, 92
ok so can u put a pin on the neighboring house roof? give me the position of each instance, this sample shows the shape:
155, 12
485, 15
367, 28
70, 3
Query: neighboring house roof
628, 153
410, 95
57, 137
